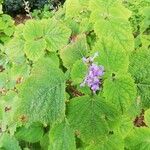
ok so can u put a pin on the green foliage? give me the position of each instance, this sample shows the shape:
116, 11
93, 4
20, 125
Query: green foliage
115, 142
50, 66
6, 27
45, 103
140, 68
138, 139
112, 56
147, 117
62, 137
9, 143
31, 134
74, 51
120, 90
91, 117
110, 20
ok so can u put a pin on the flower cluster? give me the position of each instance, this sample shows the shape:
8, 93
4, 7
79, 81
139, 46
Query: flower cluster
93, 78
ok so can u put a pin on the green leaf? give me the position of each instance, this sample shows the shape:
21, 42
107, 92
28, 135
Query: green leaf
33, 30
9, 143
110, 20
78, 72
74, 51
147, 117
73, 8
46, 86
91, 117
120, 90
113, 142
140, 70
44, 142
3, 80
14, 50
138, 139
126, 126
56, 34
35, 49
8, 107
17, 74
31, 134
111, 57
62, 137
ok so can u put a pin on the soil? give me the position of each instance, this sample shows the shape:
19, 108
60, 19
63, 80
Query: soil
21, 18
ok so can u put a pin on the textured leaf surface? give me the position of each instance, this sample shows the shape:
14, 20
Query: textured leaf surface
14, 50
56, 34
113, 142
147, 117
33, 30
62, 137
35, 49
31, 134
72, 8
140, 70
139, 139
110, 20
9, 143
74, 51
91, 117
111, 56
45, 103
120, 90
78, 72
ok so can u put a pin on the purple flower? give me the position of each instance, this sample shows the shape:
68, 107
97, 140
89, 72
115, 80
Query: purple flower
94, 75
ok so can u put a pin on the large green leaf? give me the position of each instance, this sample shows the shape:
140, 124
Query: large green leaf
120, 90
56, 34
113, 142
62, 137
35, 49
91, 117
33, 30
139, 139
110, 20
46, 86
14, 50
140, 70
111, 56
74, 51
8, 143
31, 134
